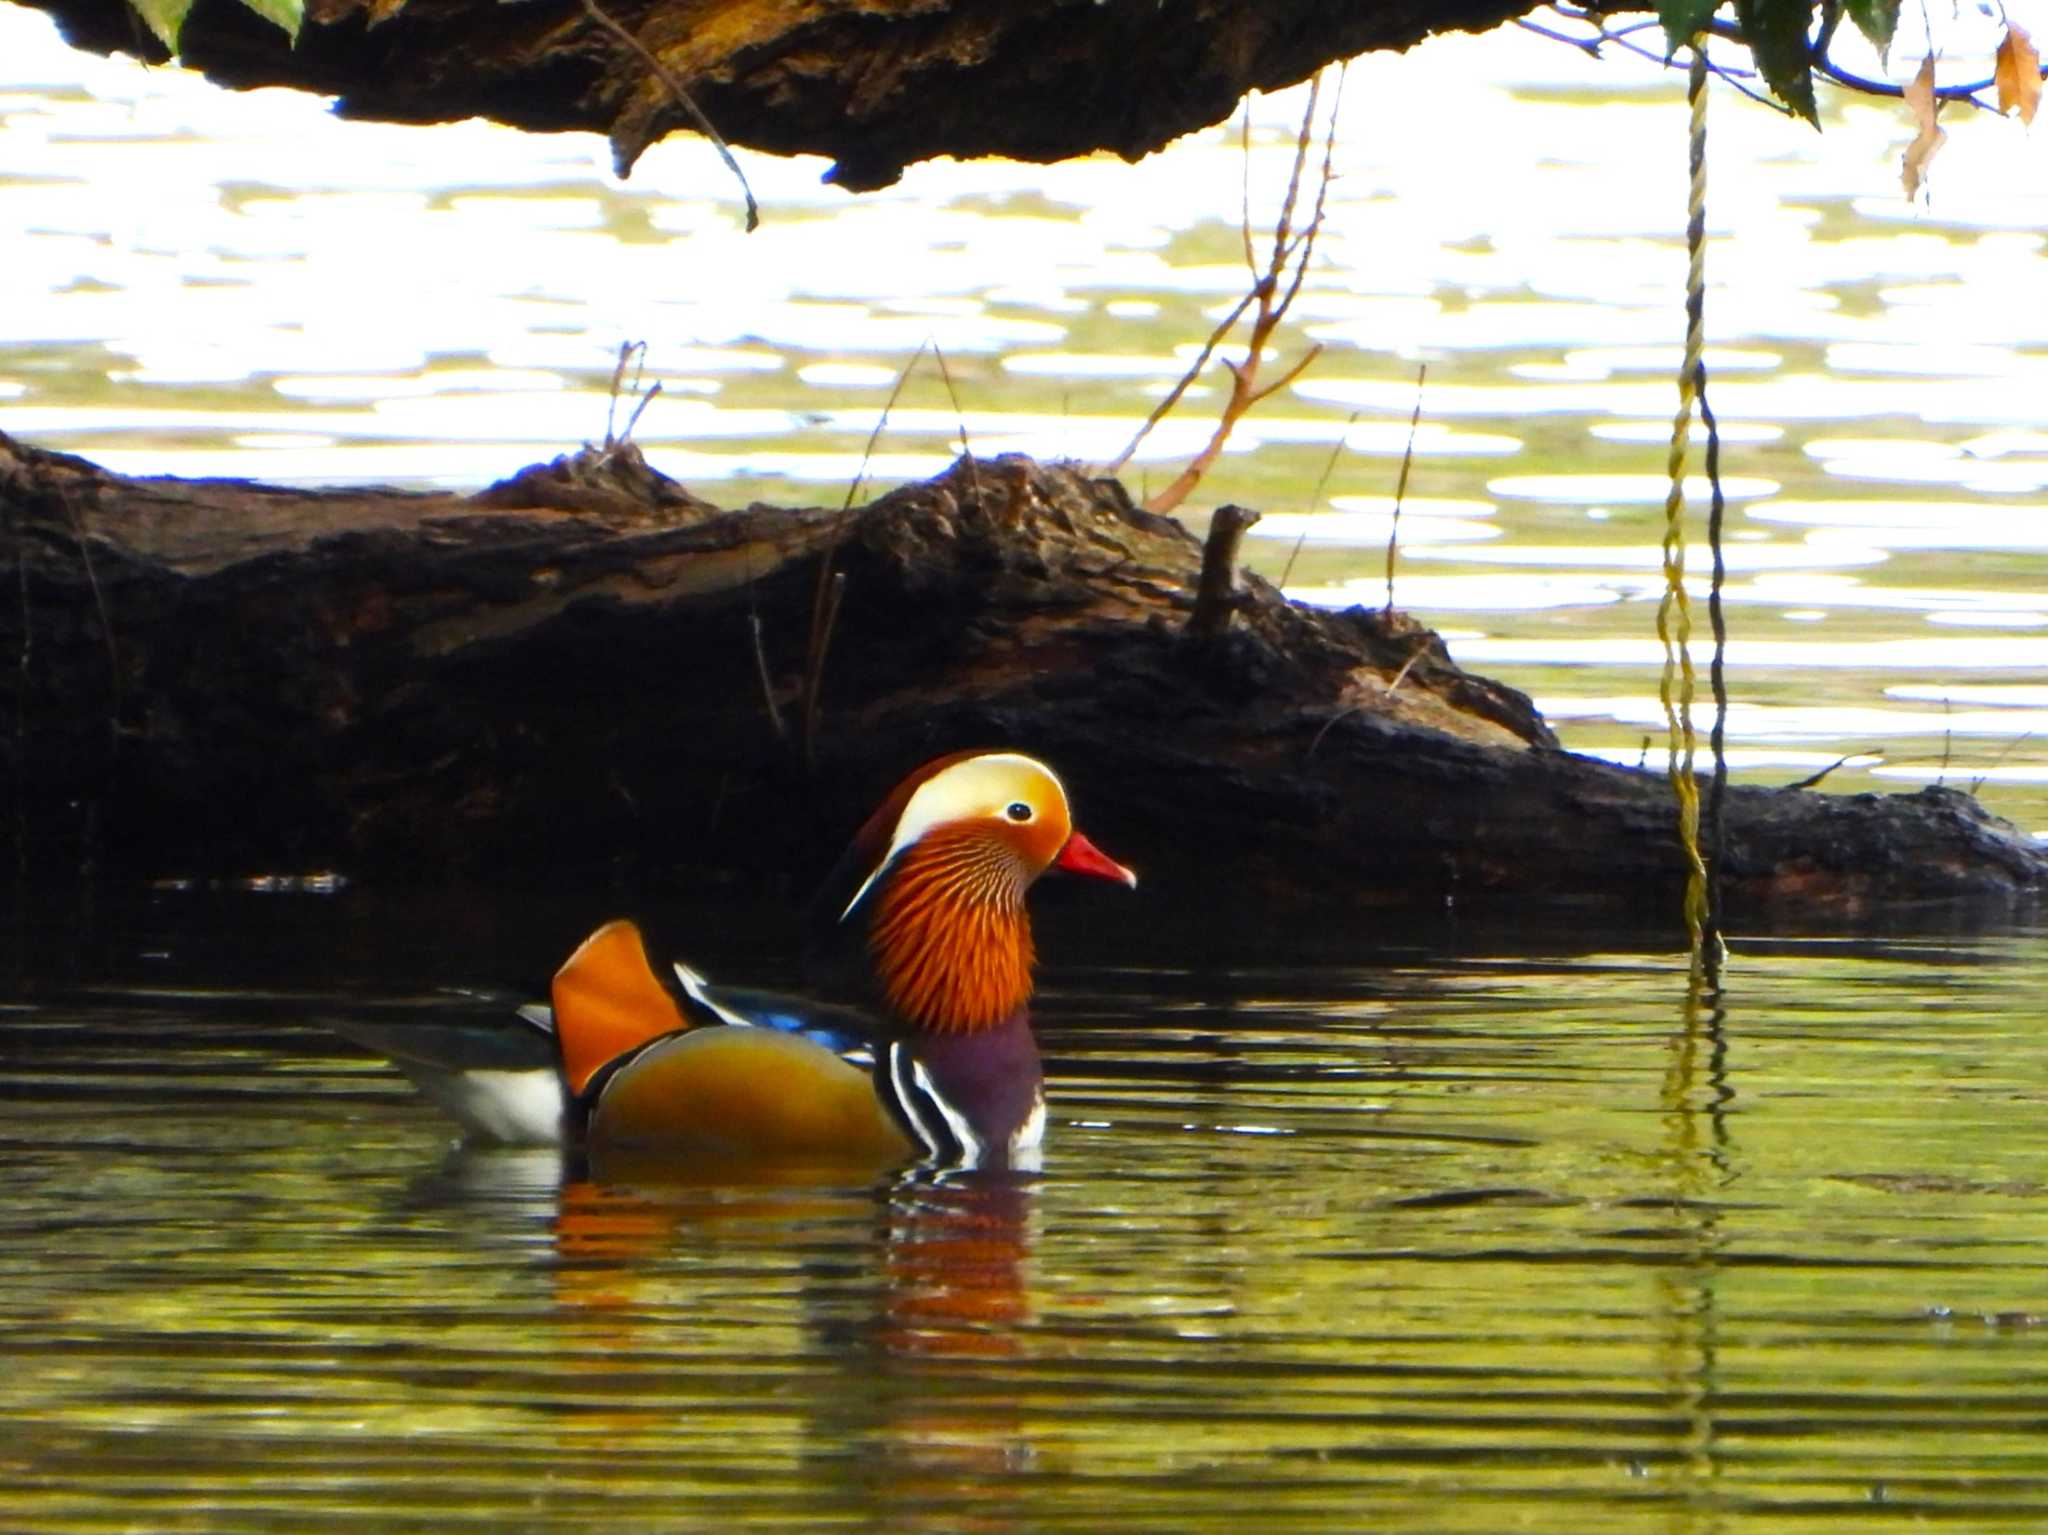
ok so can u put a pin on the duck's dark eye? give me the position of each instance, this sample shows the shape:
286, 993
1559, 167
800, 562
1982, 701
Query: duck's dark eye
1018, 811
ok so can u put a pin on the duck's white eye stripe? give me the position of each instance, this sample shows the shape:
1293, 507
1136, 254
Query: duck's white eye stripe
971, 788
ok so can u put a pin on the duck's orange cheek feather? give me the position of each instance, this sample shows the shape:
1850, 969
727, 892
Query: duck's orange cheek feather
746, 1094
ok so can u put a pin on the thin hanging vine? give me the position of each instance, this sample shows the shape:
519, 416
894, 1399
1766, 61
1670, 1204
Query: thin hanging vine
1678, 682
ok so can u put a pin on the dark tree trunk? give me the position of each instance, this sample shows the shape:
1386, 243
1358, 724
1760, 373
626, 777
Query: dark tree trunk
873, 84
586, 667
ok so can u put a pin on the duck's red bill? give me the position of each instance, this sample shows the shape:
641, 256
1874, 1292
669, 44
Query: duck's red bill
1080, 856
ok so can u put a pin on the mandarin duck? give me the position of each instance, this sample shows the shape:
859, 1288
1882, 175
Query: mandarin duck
939, 1064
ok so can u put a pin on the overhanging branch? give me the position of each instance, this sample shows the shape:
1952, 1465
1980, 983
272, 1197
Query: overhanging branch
873, 84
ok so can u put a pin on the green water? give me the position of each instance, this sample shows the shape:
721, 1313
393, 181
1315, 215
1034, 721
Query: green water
1413, 1228
1466, 1231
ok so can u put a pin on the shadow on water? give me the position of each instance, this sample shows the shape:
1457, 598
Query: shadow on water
281, 930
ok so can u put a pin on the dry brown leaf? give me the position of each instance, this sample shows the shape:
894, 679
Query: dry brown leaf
2018, 73
1920, 99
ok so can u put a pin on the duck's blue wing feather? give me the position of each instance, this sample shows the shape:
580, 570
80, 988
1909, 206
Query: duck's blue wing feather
846, 1031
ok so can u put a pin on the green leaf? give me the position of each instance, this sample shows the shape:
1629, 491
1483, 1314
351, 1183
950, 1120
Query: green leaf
1876, 20
289, 14
1776, 33
1683, 19
166, 18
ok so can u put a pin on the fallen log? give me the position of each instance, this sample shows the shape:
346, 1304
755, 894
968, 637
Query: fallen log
587, 668
873, 84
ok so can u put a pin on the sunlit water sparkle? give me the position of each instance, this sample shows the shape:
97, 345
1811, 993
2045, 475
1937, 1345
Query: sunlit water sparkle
208, 284
241, 285
1458, 1233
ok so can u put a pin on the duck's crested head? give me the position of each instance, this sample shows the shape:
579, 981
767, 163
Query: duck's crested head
1010, 803
943, 867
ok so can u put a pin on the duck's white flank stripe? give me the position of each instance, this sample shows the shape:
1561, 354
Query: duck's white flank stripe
905, 1093
971, 1145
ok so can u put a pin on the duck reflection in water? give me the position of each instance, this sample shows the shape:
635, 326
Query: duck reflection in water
909, 1296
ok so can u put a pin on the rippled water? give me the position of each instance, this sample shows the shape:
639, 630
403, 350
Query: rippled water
200, 283
1439, 1228
1457, 1232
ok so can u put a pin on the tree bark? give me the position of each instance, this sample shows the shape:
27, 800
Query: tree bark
585, 667
873, 84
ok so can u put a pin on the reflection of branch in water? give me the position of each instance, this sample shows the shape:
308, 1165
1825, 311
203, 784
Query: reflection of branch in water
1695, 1085
1698, 1153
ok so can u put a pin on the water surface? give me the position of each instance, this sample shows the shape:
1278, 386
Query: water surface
1457, 1231
1416, 1227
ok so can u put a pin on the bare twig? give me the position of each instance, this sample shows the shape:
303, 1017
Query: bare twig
1620, 37
1323, 184
1288, 569
99, 602
21, 696
832, 592
831, 588
1408, 665
684, 100
875, 436
1244, 223
611, 402
1819, 55
1328, 725
1300, 367
1401, 484
1216, 595
634, 352
1589, 46
960, 419
627, 350
2010, 747
639, 410
1813, 780
1274, 289
1322, 484
767, 683
1991, 767
1194, 372
1421, 649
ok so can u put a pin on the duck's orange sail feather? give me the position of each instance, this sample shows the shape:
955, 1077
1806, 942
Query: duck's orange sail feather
608, 1001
